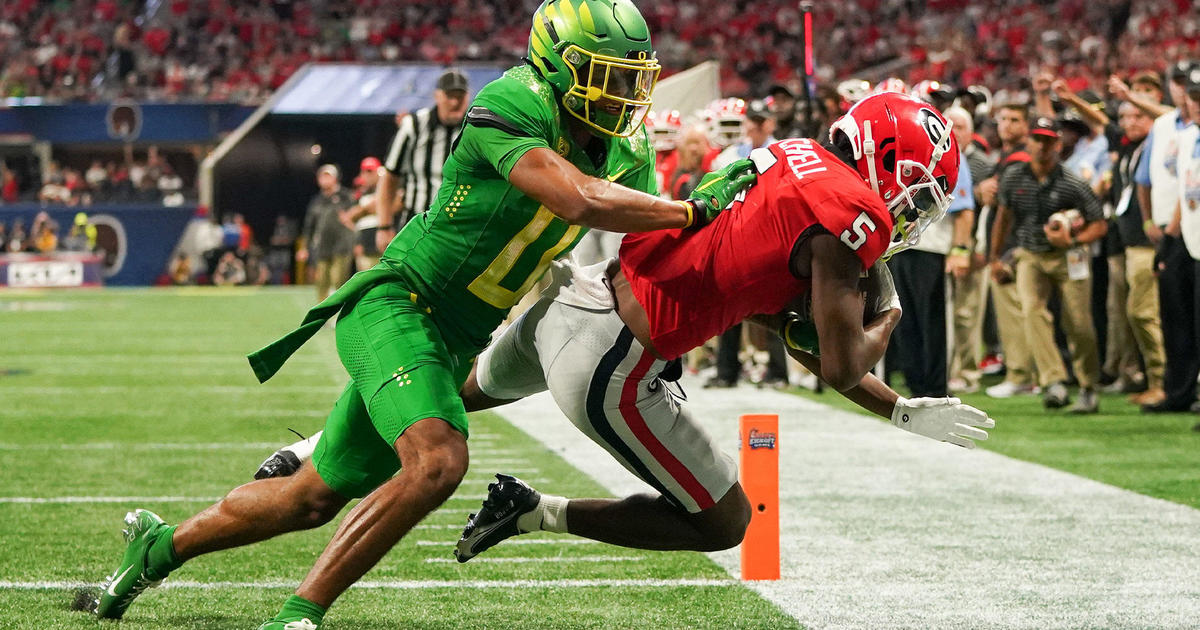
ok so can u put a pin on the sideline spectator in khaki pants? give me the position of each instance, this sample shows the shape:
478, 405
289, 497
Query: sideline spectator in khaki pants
966, 268
328, 241
1012, 125
1141, 306
1036, 197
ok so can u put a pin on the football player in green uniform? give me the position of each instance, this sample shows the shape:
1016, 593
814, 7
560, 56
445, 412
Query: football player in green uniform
548, 150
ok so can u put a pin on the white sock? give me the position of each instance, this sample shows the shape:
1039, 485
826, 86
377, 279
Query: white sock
304, 448
550, 515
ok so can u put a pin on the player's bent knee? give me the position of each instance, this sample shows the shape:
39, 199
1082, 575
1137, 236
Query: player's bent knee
434, 453
316, 503
724, 525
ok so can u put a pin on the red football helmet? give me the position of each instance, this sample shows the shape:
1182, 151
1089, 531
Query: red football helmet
904, 150
664, 129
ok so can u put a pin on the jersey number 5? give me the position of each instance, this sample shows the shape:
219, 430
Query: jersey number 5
862, 226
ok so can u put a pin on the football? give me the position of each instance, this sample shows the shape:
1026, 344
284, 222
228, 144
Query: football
1067, 219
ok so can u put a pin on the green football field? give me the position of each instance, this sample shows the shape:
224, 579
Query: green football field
116, 399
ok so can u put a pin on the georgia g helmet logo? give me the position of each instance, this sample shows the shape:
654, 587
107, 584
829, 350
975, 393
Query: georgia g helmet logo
933, 125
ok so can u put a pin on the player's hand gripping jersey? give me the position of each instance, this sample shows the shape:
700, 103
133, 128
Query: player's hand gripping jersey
695, 284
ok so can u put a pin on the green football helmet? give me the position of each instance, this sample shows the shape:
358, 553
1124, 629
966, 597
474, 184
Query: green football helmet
598, 57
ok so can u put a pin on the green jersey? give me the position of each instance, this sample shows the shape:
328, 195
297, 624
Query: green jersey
483, 244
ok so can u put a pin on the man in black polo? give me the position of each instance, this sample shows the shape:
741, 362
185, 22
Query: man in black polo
1051, 254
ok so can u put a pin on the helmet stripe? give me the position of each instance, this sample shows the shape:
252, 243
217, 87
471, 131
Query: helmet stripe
539, 35
551, 11
568, 11
585, 18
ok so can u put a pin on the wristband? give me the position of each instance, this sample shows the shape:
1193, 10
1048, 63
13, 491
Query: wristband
960, 250
691, 213
1147, 224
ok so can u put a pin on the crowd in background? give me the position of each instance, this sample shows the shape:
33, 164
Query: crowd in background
45, 236
241, 50
1056, 94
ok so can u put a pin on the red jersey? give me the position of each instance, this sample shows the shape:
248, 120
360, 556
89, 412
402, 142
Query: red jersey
695, 284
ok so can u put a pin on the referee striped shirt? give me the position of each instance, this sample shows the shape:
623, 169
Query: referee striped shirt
1032, 202
416, 156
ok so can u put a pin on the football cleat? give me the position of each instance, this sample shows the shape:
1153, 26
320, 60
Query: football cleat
506, 501
303, 624
142, 528
281, 463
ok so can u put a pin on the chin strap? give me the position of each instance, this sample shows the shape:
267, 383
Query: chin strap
868, 147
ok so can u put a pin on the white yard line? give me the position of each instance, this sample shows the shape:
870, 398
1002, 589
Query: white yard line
164, 446
554, 559
131, 500
200, 390
158, 413
404, 584
519, 541
881, 528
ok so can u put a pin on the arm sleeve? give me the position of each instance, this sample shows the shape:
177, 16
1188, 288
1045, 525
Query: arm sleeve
1142, 175
964, 191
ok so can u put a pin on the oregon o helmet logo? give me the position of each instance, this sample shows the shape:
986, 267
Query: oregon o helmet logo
933, 125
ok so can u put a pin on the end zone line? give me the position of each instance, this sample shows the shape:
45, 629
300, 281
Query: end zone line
406, 584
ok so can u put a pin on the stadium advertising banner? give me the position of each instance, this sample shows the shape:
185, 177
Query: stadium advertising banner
122, 122
57, 270
133, 244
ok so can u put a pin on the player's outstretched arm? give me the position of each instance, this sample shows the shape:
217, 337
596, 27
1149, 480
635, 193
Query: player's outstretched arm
848, 349
941, 419
599, 203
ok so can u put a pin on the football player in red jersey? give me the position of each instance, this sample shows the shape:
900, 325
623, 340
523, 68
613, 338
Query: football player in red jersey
603, 338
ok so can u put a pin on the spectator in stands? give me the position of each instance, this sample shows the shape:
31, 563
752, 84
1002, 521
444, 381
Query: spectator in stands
1159, 198
1012, 126
45, 234
362, 216
782, 102
968, 281
9, 184
693, 148
1034, 197
16, 237
230, 271
757, 130
1185, 227
1141, 303
920, 337
328, 243
180, 269
82, 235
414, 160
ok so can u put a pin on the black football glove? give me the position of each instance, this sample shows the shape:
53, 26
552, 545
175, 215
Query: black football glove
717, 189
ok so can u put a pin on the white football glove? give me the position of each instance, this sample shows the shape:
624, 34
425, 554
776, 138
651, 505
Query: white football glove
942, 419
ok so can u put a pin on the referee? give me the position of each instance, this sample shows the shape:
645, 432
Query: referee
412, 170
